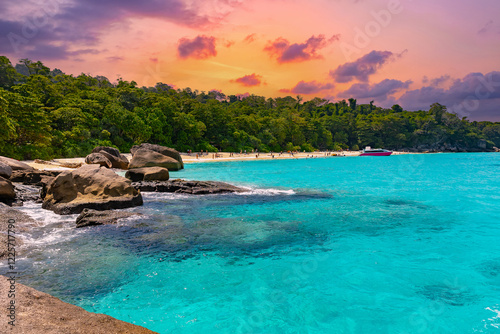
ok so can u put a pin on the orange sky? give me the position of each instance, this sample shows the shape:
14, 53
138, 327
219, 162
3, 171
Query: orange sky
387, 51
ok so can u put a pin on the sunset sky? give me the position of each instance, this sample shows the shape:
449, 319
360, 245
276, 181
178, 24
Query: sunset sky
411, 52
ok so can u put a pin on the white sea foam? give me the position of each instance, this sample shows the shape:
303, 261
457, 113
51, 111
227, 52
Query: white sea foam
53, 228
154, 196
267, 192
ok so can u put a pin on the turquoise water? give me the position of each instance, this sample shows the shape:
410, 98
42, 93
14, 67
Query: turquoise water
399, 244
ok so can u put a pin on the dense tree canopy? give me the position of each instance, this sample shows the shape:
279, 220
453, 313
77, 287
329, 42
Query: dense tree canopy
45, 113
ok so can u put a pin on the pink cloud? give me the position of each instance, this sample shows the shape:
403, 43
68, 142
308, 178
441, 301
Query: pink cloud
228, 44
249, 80
311, 87
284, 52
243, 96
250, 38
200, 47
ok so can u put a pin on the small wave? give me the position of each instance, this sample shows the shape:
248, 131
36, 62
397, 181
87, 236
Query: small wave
159, 196
52, 229
267, 192
45, 217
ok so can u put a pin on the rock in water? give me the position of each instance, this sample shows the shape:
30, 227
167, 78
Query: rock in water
92, 187
7, 193
98, 159
34, 177
15, 165
38, 312
169, 152
25, 193
5, 170
22, 223
147, 174
188, 187
117, 160
90, 217
147, 158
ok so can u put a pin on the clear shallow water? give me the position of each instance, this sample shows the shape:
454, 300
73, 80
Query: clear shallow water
400, 244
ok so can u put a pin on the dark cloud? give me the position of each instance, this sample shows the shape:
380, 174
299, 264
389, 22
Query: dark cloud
490, 28
200, 47
363, 67
249, 80
311, 87
284, 52
436, 82
379, 91
114, 58
64, 27
476, 96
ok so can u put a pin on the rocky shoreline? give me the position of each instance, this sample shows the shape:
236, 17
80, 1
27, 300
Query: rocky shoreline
38, 312
94, 191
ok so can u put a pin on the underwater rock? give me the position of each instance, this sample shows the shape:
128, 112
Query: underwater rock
90, 217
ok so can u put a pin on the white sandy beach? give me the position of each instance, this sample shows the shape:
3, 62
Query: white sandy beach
212, 157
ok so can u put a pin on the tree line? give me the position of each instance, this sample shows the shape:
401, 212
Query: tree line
45, 114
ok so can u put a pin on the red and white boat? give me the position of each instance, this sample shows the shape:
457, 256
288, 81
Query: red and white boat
368, 151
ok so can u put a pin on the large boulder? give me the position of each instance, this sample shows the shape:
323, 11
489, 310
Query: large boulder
98, 159
37, 312
117, 160
147, 174
90, 217
92, 187
167, 151
147, 158
7, 193
15, 165
5, 170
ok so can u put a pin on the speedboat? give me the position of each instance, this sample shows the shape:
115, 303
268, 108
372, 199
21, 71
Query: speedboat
368, 151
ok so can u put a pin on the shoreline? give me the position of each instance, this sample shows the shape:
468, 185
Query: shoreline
220, 156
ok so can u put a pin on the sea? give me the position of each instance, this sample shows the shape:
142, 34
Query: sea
399, 244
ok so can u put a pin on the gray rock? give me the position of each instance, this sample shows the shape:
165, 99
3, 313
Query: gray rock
34, 177
98, 159
5, 170
117, 160
7, 193
38, 312
187, 187
90, 217
148, 174
26, 193
147, 158
482, 144
91, 187
167, 151
15, 164
22, 223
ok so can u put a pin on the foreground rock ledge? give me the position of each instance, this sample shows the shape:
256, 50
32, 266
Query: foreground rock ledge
38, 312
188, 187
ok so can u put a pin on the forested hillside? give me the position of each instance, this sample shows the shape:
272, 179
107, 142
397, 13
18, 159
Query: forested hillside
45, 114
